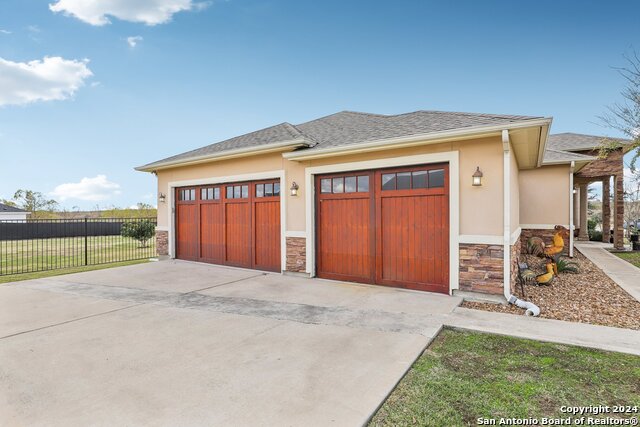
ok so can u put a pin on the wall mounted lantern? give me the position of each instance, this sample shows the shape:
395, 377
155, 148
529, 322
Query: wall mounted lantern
294, 189
161, 197
477, 177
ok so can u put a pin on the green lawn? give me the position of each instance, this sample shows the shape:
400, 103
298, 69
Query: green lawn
49, 273
463, 376
630, 257
20, 256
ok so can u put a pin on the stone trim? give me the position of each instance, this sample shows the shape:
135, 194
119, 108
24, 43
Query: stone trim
481, 268
296, 254
162, 242
516, 251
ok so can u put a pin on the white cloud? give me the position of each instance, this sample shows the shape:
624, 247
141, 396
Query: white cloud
52, 78
4, 31
150, 12
90, 189
133, 41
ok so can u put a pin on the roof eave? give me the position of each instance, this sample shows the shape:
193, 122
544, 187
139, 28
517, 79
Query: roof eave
225, 155
413, 140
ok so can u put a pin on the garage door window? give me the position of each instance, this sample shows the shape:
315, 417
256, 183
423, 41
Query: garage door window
188, 194
413, 180
347, 184
268, 190
210, 193
237, 192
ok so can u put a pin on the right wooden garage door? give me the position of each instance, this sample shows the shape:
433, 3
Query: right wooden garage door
388, 227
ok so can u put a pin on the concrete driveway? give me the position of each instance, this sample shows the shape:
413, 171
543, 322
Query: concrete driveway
183, 344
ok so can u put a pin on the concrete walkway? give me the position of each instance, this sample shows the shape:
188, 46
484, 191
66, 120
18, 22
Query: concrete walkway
548, 330
627, 276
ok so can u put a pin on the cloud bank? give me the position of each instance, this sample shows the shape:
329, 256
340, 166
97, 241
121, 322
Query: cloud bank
150, 12
89, 189
49, 79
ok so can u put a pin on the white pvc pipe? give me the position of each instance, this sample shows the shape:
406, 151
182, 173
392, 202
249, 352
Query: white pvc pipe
532, 309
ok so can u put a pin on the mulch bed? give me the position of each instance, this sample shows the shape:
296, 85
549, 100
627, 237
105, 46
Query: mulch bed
587, 297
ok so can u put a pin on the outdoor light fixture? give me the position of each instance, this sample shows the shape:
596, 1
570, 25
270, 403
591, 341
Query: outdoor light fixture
294, 189
477, 177
161, 197
575, 191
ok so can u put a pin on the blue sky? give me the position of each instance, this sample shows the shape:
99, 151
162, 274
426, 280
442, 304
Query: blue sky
219, 69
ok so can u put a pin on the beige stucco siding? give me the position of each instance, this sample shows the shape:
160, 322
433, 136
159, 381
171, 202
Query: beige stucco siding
481, 208
544, 196
232, 167
514, 192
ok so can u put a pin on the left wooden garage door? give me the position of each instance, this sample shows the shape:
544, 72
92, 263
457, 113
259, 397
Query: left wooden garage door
235, 224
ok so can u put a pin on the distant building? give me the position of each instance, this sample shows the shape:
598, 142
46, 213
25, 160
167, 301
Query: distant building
12, 213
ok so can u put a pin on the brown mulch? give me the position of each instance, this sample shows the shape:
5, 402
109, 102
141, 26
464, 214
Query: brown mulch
587, 297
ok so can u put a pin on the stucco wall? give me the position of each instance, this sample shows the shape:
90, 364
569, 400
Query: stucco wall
515, 192
544, 196
480, 207
232, 167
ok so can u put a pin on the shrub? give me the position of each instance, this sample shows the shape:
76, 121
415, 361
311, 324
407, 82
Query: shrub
565, 266
595, 236
141, 231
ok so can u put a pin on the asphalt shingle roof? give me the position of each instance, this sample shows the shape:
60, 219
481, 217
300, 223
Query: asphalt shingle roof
552, 156
349, 127
577, 142
7, 208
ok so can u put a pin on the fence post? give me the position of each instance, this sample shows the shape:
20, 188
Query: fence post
86, 233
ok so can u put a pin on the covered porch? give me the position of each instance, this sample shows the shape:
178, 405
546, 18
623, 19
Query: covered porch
608, 172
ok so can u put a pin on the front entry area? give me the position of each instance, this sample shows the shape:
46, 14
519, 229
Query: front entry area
387, 227
236, 224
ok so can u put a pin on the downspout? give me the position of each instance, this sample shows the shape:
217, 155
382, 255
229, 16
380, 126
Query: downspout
572, 226
506, 239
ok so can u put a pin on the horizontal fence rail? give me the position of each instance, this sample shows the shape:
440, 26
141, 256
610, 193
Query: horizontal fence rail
28, 246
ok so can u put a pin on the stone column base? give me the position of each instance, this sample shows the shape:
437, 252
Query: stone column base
296, 254
481, 268
162, 243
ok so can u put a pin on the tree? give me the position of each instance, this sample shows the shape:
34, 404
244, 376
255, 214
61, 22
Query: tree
632, 205
34, 202
624, 116
141, 231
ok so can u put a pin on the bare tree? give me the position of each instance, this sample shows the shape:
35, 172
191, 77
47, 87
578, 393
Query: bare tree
624, 116
632, 205
34, 202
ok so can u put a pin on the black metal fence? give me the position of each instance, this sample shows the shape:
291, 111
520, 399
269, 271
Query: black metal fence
28, 246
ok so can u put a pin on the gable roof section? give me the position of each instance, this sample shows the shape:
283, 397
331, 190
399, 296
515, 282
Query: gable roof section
344, 129
569, 141
6, 208
282, 134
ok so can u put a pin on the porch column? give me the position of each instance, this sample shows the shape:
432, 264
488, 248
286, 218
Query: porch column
576, 206
606, 209
584, 234
618, 212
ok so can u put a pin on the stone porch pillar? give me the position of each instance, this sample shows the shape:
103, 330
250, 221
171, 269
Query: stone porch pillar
584, 234
606, 209
618, 212
576, 207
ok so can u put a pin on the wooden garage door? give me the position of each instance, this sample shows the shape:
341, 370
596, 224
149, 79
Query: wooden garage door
235, 224
388, 227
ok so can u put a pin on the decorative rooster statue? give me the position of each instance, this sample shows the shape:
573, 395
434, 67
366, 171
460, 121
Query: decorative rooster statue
546, 278
536, 246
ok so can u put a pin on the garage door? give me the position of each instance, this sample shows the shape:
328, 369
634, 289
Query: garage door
387, 227
235, 224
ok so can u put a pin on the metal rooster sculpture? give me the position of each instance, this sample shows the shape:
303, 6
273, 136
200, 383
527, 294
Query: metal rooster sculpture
536, 246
